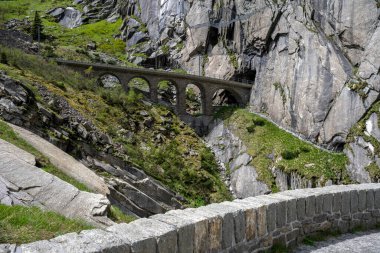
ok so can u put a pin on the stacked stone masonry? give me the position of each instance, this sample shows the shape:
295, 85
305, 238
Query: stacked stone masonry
254, 224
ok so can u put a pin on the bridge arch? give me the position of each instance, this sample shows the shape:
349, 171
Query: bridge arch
102, 76
223, 96
140, 83
195, 99
167, 91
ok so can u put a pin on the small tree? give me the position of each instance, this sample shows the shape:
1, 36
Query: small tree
3, 58
37, 27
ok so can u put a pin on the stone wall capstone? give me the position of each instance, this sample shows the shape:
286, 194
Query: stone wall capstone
253, 224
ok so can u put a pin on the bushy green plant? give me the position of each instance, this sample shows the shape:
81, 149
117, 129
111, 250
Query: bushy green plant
37, 27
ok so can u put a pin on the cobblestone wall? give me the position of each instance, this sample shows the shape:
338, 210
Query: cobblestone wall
249, 225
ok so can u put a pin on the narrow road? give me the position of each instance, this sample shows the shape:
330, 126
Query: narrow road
366, 242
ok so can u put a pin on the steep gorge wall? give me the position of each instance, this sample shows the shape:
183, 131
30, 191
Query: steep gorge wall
306, 56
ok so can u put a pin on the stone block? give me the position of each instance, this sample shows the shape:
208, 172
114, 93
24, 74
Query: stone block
310, 206
362, 205
251, 224
279, 240
249, 220
320, 218
346, 203
291, 210
377, 198
301, 209
185, 230
262, 221
343, 226
271, 217
200, 227
318, 204
281, 214
327, 203
147, 235
370, 200
354, 201
292, 235
337, 202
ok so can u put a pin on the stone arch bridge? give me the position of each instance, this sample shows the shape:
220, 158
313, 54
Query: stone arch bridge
207, 86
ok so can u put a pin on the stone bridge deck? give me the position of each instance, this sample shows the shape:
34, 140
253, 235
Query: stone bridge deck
249, 225
207, 86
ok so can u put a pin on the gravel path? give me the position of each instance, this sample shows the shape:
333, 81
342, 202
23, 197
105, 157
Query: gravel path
368, 242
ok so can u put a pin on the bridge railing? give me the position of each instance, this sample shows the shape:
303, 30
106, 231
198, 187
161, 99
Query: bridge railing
221, 77
247, 225
165, 69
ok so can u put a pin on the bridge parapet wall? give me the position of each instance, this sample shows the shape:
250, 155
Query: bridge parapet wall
249, 225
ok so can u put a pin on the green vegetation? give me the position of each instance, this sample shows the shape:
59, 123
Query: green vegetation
20, 224
37, 27
22, 8
167, 150
278, 86
118, 216
272, 147
7, 134
100, 32
359, 86
359, 129
233, 58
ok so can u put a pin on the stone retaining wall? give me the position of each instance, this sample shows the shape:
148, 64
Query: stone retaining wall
249, 225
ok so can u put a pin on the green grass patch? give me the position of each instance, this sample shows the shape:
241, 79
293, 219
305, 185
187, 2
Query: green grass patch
20, 224
22, 8
7, 134
118, 216
264, 140
180, 159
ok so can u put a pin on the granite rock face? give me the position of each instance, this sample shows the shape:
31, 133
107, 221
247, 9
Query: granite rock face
21, 183
303, 55
235, 163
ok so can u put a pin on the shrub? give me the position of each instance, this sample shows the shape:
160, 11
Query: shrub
251, 129
290, 155
3, 58
258, 122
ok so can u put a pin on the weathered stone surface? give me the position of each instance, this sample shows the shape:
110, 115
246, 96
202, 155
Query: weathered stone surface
359, 155
7, 148
68, 17
22, 183
63, 161
230, 151
223, 227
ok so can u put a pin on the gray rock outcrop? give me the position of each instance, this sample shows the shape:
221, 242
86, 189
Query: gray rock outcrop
125, 185
21, 183
235, 163
68, 17
303, 55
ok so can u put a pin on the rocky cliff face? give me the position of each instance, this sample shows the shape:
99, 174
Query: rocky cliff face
315, 63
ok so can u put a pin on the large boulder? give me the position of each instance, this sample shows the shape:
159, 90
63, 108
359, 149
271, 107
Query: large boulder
21, 183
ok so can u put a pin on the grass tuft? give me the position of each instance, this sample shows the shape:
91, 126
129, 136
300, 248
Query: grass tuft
19, 224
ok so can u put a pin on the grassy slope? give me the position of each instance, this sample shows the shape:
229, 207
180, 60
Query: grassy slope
20, 224
193, 174
263, 139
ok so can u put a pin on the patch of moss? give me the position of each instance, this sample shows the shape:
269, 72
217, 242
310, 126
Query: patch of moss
290, 153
